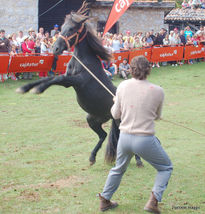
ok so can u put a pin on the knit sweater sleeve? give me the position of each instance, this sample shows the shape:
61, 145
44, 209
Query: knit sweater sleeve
159, 110
116, 108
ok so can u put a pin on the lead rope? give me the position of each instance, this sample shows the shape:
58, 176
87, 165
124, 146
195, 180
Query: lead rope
106, 88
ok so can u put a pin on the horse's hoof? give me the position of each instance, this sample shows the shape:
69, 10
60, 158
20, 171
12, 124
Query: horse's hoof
92, 160
34, 91
20, 91
139, 165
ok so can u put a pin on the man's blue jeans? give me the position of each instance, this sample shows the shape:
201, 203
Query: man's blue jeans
150, 149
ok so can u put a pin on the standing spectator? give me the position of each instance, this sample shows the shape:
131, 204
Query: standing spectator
166, 40
124, 69
128, 44
40, 34
182, 37
176, 31
152, 35
55, 29
20, 41
137, 135
12, 54
4, 42
38, 46
137, 43
4, 48
172, 38
31, 44
26, 50
128, 36
188, 32
55, 37
149, 39
47, 35
115, 43
45, 46
161, 36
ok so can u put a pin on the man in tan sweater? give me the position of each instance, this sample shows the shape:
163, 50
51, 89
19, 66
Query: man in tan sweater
138, 103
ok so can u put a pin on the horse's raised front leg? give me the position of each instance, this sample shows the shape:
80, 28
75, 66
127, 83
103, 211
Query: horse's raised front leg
97, 128
27, 87
61, 80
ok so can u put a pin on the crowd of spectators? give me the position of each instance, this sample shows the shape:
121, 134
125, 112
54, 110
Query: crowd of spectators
194, 4
42, 42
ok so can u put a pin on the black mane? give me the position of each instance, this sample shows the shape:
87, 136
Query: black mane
94, 42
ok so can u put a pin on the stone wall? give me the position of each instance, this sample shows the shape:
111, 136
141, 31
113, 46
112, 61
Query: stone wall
18, 15
134, 19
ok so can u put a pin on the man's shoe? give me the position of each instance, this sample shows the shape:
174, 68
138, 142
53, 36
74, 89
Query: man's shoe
106, 204
152, 205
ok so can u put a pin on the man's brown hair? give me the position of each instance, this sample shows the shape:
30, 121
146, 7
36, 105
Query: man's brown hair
140, 67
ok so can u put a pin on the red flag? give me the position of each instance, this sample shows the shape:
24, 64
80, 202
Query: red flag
119, 7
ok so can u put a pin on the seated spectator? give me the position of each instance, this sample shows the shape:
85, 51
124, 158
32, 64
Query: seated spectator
203, 4
110, 69
124, 69
185, 4
196, 4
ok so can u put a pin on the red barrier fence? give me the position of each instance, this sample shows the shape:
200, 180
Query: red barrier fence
4, 62
166, 54
36, 63
30, 63
194, 52
145, 52
62, 63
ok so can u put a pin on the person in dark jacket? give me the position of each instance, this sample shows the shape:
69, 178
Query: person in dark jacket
4, 42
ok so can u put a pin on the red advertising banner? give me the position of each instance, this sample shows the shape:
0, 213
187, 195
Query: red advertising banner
165, 54
145, 52
30, 63
4, 62
118, 8
62, 63
194, 52
120, 56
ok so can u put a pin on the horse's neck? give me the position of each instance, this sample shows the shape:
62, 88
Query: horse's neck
83, 51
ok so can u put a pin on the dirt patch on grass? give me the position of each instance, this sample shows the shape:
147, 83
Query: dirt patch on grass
60, 184
29, 195
67, 182
80, 123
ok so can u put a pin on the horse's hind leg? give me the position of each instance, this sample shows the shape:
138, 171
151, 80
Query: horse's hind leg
96, 126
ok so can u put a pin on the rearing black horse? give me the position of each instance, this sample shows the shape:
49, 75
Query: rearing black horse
91, 96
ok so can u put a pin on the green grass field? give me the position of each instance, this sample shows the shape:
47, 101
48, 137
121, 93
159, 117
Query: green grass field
45, 144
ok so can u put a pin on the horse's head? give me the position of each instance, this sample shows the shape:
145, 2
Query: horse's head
71, 30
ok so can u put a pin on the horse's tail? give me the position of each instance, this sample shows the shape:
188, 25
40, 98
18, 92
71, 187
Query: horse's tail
111, 148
